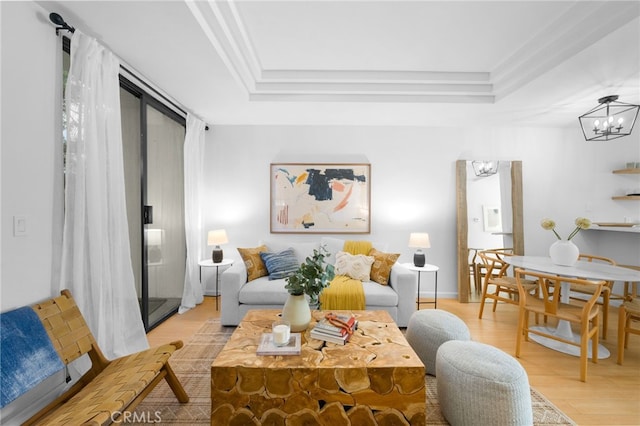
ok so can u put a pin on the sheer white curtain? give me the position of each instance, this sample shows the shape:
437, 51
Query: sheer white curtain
96, 261
193, 167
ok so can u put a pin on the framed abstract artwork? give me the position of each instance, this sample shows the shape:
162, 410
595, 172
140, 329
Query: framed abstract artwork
328, 198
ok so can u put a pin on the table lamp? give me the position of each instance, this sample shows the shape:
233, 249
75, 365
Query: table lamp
215, 238
419, 240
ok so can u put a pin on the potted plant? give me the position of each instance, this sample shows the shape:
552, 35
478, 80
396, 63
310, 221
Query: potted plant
309, 279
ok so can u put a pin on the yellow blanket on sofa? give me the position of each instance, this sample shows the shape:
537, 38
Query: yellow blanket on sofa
345, 292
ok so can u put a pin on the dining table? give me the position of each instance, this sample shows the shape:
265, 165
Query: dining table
581, 269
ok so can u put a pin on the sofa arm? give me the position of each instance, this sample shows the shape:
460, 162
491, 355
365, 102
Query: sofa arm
405, 284
233, 279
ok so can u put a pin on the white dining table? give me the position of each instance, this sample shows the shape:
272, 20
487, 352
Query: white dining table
582, 269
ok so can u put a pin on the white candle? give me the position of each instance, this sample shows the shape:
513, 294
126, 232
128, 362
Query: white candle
281, 334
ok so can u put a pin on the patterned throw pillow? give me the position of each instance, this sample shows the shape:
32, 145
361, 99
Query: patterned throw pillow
280, 265
357, 266
253, 262
381, 268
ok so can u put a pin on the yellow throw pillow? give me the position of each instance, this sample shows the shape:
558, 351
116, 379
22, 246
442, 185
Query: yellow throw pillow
357, 266
382, 263
253, 262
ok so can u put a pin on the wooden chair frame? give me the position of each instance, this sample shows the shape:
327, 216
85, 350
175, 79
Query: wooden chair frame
547, 302
72, 338
629, 311
496, 273
606, 291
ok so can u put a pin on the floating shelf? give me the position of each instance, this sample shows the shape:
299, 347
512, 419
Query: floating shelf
626, 197
627, 172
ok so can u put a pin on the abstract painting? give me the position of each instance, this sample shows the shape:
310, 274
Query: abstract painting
320, 198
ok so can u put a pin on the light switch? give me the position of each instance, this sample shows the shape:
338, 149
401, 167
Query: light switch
19, 226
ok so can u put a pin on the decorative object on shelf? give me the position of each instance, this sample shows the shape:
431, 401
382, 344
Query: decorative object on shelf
565, 252
484, 168
310, 279
215, 238
419, 240
609, 120
309, 198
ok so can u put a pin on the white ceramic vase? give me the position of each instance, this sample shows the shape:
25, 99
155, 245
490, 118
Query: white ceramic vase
296, 310
564, 253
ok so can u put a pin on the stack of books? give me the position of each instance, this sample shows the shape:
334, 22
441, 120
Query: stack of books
324, 330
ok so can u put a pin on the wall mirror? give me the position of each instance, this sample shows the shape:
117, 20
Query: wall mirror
489, 215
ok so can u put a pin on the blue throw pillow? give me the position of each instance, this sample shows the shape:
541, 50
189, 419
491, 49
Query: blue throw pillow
281, 264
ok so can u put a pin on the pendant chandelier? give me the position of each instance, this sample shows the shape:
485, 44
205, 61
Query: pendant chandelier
609, 120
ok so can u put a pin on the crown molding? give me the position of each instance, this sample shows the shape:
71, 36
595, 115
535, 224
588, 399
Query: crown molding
569, 34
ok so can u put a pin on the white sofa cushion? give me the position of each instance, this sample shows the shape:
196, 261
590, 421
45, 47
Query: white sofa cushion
379, 295
262, 291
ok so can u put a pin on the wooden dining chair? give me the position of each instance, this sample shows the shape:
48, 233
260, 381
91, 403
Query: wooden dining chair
606, 294
547, 302
497, 284
628, 314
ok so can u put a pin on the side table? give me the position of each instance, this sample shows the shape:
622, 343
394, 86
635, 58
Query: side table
208, 263
420, 270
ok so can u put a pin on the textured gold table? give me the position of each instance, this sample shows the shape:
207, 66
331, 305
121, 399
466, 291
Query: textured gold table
375, 379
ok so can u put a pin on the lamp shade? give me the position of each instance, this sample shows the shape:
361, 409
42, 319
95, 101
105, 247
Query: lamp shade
217, 237
609, 120
419, 240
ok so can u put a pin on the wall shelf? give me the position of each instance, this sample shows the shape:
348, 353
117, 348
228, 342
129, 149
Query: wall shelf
627, 172
626, 197
635, 171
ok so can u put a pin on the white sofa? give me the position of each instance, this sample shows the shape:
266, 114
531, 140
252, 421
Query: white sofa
239, 296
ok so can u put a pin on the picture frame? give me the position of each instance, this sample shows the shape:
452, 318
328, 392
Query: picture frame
492, 218
320, 198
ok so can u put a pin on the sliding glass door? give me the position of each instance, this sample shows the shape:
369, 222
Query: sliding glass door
153, 139
164, 214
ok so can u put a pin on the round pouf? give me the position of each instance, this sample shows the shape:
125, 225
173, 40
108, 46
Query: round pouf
428, 329
479, 384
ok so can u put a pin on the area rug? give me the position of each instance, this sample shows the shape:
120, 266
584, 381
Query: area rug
192, 366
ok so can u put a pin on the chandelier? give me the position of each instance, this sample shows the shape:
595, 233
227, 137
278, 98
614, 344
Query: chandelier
609, 120
485, 168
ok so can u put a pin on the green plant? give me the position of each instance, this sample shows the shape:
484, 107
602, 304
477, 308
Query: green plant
311, 277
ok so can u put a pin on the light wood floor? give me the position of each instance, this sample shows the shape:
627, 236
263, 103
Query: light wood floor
611, 395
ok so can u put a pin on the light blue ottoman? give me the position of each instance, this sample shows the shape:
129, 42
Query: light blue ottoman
479, 384
428, 329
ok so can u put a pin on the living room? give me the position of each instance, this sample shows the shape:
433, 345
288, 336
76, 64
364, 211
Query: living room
412, 150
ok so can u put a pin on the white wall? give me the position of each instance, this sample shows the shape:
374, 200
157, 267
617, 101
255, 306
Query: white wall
413, 183
31, 152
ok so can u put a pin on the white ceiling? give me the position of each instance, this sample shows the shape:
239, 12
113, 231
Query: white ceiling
442, 63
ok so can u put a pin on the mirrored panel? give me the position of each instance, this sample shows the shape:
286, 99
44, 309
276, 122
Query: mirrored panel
489, 215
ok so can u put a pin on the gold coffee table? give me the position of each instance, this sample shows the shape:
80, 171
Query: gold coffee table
376, 378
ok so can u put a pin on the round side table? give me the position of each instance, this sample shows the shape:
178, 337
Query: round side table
208, 263
420, 270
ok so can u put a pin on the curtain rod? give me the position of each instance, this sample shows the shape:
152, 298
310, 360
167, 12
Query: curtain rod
63, 26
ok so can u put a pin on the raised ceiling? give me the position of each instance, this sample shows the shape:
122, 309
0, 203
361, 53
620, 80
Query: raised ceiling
513, 63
